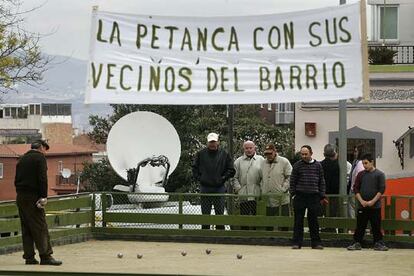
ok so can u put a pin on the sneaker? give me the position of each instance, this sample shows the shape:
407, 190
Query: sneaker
32, 261
380, 246
318, 246
354, 246
296, 246
50, 261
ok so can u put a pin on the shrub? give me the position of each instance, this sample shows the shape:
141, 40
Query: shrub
381, 55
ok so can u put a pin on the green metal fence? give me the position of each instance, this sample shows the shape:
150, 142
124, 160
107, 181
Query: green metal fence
115, 215
67, 217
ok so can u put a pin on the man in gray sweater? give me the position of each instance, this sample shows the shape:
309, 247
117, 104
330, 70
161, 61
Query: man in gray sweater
369, 187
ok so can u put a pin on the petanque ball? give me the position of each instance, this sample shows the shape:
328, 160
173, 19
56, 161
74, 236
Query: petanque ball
139, 256
208, 251
120, 255
239, 256
183, 253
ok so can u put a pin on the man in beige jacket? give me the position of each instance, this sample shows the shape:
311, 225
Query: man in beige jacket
275, 173
247, 179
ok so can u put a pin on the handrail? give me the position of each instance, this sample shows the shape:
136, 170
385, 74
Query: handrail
181, 215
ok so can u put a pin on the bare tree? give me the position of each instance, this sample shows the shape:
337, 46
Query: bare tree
21, 60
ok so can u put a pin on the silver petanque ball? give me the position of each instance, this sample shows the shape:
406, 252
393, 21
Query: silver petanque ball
120, 255
183, 253
139, 256
239, 256
208, 251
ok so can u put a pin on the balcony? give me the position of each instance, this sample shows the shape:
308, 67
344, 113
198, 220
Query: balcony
405, 54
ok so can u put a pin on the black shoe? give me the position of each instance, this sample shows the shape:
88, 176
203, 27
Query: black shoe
318, 246
380, 246
32, 261
354, 246
296, 246
50, 261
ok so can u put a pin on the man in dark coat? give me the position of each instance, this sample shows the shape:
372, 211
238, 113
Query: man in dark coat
31, 189
330, 167
212, 167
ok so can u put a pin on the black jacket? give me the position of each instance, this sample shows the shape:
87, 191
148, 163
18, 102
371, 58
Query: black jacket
213, 168
331, 174
31, 174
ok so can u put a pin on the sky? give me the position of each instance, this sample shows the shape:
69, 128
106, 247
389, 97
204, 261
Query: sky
65, 24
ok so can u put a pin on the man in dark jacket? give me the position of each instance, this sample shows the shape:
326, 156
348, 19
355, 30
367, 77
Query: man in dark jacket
330, 167
212, 167
31, 189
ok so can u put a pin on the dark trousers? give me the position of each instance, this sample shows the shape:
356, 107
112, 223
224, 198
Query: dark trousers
34, 227
374, 217
331, 210
207, 202
300, 204
278, 211
248, 208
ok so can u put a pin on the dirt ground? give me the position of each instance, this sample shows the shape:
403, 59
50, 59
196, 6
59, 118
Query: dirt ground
166, 258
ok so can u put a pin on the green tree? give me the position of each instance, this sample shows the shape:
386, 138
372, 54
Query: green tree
20, 57
99, 176
249, 126
193, 123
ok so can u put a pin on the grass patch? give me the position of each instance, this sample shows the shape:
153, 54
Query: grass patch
391, 68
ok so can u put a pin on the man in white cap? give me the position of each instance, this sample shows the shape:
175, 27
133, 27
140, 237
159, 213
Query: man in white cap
212, 167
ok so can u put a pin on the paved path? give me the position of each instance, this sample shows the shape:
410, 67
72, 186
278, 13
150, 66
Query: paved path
162, 257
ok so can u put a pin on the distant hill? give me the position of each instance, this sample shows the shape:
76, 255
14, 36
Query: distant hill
64, 82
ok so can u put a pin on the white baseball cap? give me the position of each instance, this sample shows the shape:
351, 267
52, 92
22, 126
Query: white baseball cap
212, 137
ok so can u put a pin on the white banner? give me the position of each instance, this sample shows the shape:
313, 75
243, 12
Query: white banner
312, 55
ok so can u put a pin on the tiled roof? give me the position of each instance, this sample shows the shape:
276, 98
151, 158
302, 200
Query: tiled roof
16, 150
84, 140
5, 151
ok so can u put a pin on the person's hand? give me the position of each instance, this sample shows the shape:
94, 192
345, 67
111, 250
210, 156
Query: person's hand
324, 201
364, 203
370, 203
41, 203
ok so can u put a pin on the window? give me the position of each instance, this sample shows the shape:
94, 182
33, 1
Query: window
385, 23
1, 170
37, 107
22, 112
34, 109
388, 22
13, 112
412, 145
285, 113
60, 166
56, 109
269, 107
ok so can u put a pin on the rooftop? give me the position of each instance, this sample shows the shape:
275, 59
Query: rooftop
17, 150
